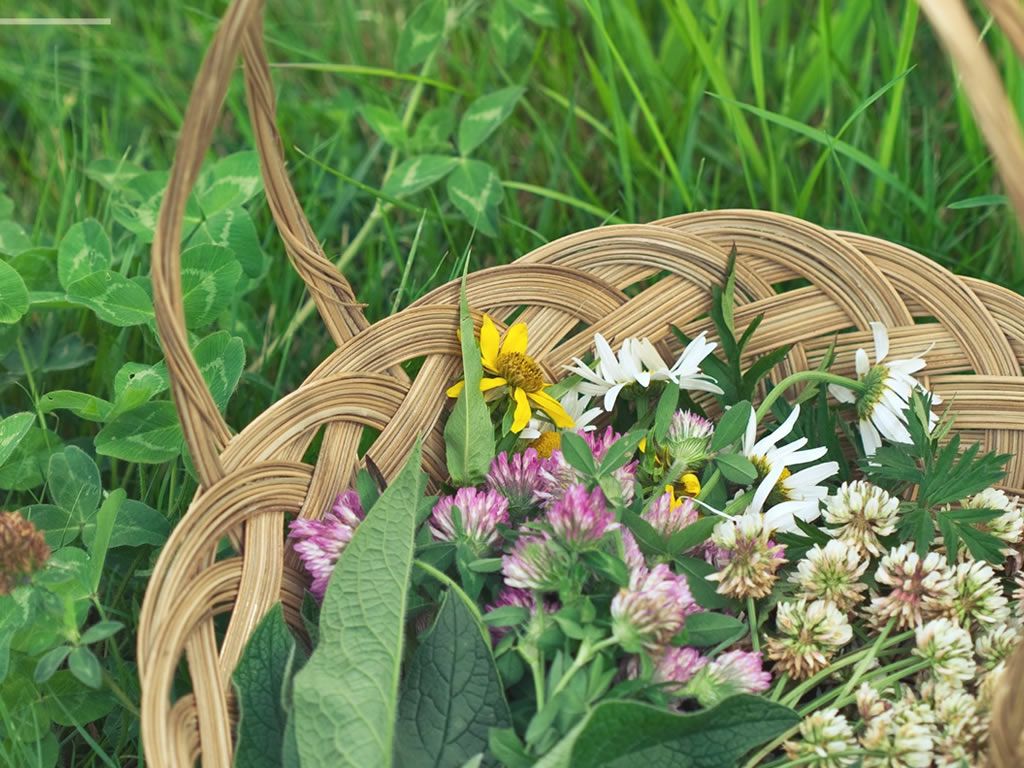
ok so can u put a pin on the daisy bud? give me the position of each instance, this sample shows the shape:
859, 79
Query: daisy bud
688, 438
860, 514
668, 515
948, 647
902, 736
634, 557
825, 736
831, 573
535, 562
517, 478
319, 543
23, 551
648, 613
731, 673
480, 513
747, 558
978, 595
919, 589
580, 518
809, 635
996, 644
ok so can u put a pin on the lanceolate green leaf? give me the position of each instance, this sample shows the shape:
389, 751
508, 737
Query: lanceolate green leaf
346, 697
452, 695
468, 434
417, 173
475, 189
620, 734
484, 116
422, 34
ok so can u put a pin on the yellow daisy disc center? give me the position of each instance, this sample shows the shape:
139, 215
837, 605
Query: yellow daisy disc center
519, 370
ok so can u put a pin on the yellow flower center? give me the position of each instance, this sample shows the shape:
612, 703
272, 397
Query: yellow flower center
546, 444
780, 492
519, 370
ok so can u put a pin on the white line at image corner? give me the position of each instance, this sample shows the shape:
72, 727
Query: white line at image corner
55, 22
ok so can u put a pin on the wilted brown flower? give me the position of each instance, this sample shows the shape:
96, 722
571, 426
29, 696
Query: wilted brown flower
23, 550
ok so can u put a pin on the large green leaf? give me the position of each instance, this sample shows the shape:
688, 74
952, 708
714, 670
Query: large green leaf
74, 483
113, 297
421, 34
346, 697
260, 679
484, 115
230, 182
84, 249
150, 434
468, 434
621, 734
417, 173
12, 430
452, 695
13, 294
221, 358
233, 228
475, 189
138, 205
209, 281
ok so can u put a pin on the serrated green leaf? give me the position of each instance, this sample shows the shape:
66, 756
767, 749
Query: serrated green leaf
260, 679
113, 297
385, 123
150, 434
484, 115
136, 383
422, 34
209, 281
231, 182
233, 228
707, 628
346, 697
475, 190
88, 407
618, 734
84, 249
85, 667
452, 695
12, 430
418, 173
732, 426
13, 294
74, 483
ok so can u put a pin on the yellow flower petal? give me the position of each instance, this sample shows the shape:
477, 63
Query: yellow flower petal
523, 411
486, 384
454, 389
489, 340
515, 339
642, 445
690, 483
553, 409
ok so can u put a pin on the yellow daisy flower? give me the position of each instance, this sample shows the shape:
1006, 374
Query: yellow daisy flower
516, 370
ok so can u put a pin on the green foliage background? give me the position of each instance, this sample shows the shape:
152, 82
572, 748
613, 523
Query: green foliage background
844, 113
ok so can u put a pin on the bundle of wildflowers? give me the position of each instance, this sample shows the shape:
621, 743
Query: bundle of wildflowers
660, 529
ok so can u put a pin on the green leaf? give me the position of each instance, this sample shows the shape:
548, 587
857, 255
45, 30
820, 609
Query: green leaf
231, 181
26, 467
385, 123
537, 11
13, 239
86, 667
150, 434
452, 695
12, 430
101, 631
233, 228
138, 204
346, 697
113, 297
84, 249
260, 680
209, 281
421, 34
418, 173
732, 426
468, 433
706, 629
73, 480
475, 190
704, 592
578, 454
736, 468
619, 734
135, 384
112, 173
221, 359
49, 663
38, 268
668, 402
88, 407
104, 528
484, 115
13, 294
505, 31
69, 703
693, 535
139, 525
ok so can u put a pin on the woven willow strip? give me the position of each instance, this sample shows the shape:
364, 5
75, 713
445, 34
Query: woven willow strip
814, 287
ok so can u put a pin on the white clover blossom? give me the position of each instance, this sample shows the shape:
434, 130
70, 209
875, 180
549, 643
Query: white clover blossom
833, 573
948, 647
862, 514
889, 385
826, 738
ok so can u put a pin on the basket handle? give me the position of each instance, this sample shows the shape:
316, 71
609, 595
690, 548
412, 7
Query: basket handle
241, 29
991, 106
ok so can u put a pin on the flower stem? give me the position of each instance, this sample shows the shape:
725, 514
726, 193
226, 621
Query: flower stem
893, 673
865, 663
801, 376
755, 641
583, 657
780, 687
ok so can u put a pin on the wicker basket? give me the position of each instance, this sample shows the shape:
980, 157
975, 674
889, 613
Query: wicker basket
632, 280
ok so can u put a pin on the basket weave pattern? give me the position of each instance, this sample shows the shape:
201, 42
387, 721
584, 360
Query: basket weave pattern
815, 287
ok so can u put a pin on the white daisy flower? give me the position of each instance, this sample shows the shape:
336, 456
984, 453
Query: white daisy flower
639, 363
576, 404
890, 384
786, 496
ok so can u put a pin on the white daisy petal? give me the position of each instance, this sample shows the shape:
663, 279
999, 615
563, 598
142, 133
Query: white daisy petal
881, 334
